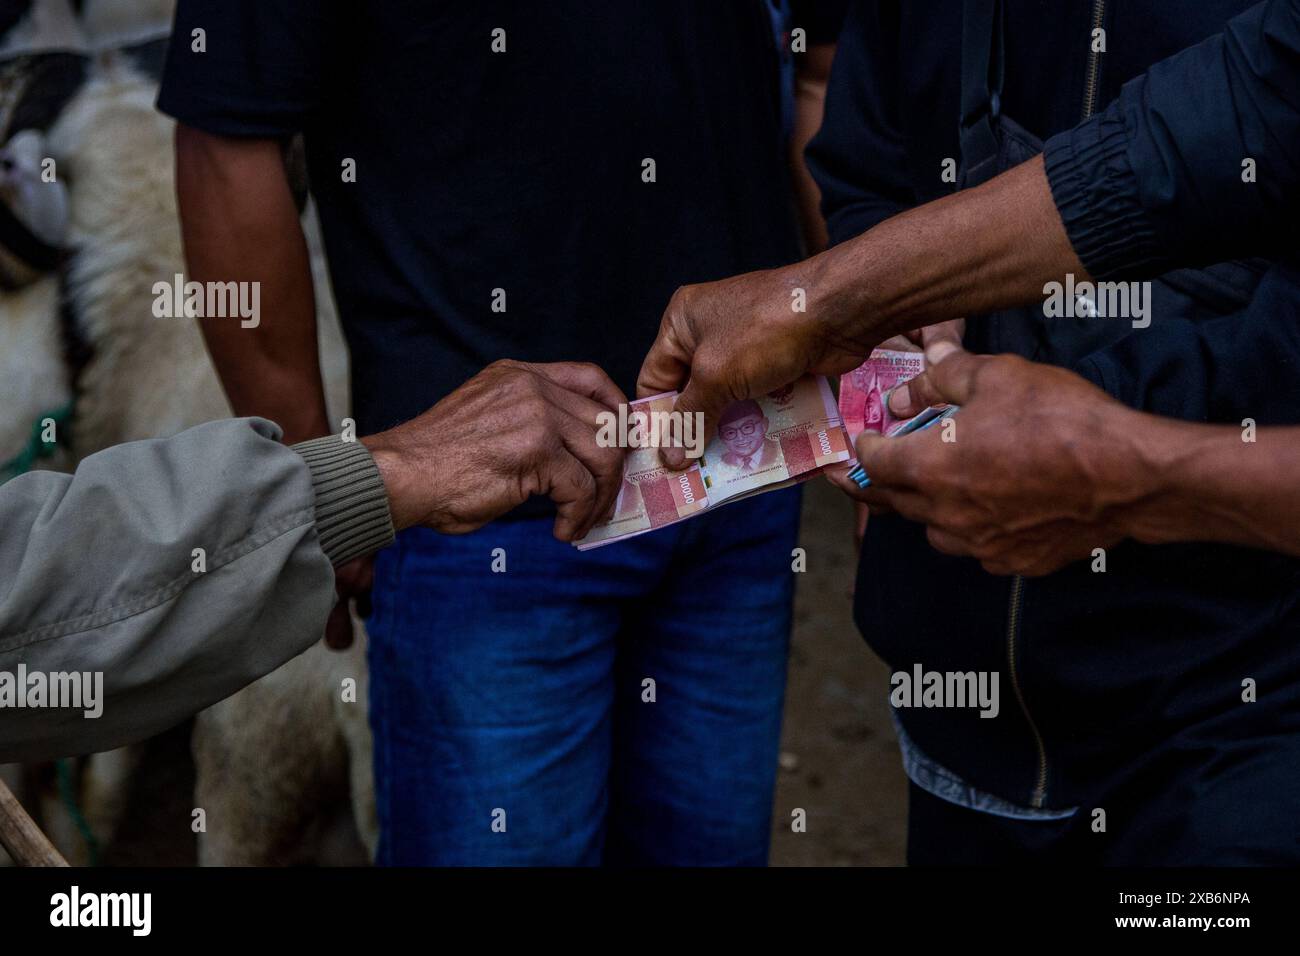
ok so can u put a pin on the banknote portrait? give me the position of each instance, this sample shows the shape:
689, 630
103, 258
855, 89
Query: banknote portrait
743, 430
874, 411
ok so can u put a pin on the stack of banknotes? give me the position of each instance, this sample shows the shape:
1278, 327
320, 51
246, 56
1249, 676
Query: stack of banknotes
864, 395
761, 444
864, 390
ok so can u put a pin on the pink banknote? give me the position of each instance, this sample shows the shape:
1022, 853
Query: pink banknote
863, 390
651, 496
761, 445
767, 443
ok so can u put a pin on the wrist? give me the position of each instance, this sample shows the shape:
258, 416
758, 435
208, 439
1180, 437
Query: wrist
399, 483
1168, 456
351, 504
841, 283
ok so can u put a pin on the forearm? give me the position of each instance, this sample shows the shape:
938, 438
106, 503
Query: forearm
1133, 192
1211, 485
978, 250
239, 223
809, 106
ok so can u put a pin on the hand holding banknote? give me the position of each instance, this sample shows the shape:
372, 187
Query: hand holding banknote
512, 431
1028, 477
773, 441
741, 338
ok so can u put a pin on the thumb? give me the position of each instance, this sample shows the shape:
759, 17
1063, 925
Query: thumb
952, 372
702, 404
947, 380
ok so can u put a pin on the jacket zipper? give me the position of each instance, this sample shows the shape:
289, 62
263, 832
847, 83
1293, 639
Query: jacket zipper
1094, 60
1039, 797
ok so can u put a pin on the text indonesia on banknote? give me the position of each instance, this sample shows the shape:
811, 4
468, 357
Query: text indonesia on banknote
785, 437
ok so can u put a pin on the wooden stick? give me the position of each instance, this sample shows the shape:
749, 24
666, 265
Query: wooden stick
22, 837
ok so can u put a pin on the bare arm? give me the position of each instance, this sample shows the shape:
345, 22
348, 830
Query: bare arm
974, 252
812, 72
1218, 487
966, 254
239, 223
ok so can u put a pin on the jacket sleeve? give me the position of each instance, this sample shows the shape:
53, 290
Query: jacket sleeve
1238, 366
1197, 161
171, 573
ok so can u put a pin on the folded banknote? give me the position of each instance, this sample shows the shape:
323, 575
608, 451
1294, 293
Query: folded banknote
863, 390
761, 444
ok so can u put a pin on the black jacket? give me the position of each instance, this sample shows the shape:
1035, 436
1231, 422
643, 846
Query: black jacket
1124, 681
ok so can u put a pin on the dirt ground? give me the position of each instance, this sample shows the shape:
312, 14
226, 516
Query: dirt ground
839, 756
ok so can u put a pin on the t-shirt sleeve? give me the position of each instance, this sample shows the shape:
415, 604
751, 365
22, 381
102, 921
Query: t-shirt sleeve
251, 68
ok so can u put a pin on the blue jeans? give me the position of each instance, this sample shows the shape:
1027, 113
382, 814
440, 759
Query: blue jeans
621, 706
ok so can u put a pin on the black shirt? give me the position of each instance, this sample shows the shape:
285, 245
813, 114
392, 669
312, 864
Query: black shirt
519, 171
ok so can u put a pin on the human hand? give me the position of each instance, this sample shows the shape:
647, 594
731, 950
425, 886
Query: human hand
742, 337
511, 431
1036, 470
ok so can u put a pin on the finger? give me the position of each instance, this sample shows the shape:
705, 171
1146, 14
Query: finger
887, 462
703, 401
948, 379
338, 627
838, 475
667, 365
913, 396
583, 378
947, 542
571, 486
907, 342
876, 498
951, 331
578, 424
604, 464
355, 577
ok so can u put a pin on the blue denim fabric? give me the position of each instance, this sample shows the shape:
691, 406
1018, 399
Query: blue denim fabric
523, 692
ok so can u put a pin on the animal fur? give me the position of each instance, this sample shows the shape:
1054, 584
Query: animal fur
278, 761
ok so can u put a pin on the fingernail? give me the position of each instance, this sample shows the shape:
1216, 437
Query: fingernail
939, 351
904, 398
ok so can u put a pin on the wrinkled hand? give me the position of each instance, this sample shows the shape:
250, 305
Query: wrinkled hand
1038, 469
720, 342
512, 431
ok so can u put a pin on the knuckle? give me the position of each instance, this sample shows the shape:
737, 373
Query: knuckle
536, 443
677, 304
1000, 369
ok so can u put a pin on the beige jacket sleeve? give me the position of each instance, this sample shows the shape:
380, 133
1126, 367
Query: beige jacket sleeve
165, 575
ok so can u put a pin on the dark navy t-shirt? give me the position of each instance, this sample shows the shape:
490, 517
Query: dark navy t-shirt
483, 176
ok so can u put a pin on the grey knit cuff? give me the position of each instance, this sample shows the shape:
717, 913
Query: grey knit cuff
352, 515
